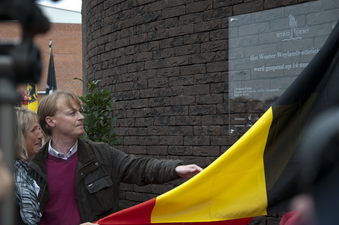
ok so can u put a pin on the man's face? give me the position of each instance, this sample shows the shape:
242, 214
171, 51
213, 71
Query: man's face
68, 122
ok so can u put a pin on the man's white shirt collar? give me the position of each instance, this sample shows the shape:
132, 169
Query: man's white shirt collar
63, 156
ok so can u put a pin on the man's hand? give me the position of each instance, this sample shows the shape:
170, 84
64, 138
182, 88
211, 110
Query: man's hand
188, 171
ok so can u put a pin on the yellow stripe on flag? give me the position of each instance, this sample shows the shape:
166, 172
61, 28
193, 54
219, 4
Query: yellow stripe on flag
231, 187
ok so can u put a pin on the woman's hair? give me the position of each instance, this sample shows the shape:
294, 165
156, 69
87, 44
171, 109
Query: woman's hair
24, 118
48, 107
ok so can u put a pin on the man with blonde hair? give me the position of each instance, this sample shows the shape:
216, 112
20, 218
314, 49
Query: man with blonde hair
79, 179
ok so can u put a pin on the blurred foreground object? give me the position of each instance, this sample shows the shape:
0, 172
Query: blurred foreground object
19, 63
5, 178
320, 165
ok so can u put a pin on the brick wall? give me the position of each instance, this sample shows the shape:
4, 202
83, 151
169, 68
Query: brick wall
67, 52
166, 64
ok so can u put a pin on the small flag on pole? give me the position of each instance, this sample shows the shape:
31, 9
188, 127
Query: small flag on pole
51, 80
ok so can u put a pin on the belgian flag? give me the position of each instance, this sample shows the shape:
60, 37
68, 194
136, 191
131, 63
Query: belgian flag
258, 175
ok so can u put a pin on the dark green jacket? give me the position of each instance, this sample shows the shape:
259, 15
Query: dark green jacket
100, 170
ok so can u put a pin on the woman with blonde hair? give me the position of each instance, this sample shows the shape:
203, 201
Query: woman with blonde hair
28, 142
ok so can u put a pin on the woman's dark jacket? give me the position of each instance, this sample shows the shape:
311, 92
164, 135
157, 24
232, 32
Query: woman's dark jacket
100, 170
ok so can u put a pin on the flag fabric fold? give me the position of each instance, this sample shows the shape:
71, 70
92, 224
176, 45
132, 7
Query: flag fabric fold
51, 84
258, 175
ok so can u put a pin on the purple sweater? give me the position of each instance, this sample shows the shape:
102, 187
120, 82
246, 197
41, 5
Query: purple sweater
62, 206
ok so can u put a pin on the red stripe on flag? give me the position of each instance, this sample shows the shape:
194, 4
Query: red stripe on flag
242, 221
141, 214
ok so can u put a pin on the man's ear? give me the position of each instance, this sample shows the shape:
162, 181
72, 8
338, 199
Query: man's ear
50, 121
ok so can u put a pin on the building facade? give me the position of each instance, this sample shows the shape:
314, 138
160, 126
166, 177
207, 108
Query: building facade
66, 35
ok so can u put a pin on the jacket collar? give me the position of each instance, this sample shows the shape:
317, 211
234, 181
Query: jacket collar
85, 155
40, 158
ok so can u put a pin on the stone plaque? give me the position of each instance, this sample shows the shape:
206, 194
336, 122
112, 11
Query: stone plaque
268, 50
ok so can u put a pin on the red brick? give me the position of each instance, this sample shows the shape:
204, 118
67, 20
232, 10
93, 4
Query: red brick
67, 53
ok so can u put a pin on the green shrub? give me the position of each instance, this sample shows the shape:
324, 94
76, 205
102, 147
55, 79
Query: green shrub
97, 106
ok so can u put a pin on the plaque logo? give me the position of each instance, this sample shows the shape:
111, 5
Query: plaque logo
294, 33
